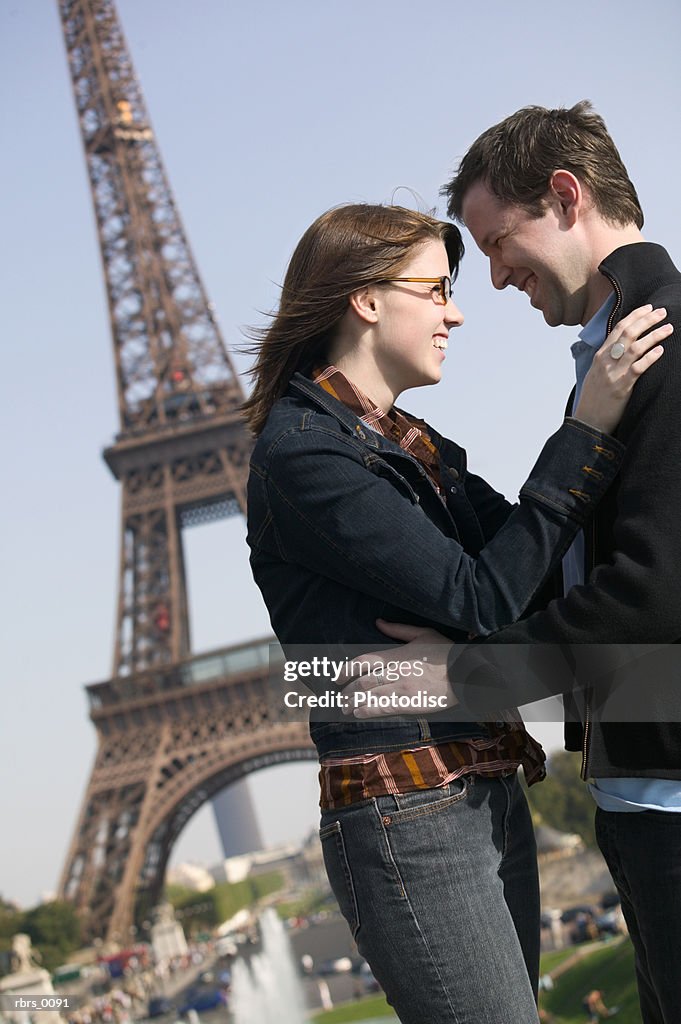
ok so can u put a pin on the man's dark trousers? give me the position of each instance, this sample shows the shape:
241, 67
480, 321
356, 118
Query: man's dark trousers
643, 852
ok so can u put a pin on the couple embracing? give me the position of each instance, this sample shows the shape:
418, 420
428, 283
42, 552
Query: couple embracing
366, 523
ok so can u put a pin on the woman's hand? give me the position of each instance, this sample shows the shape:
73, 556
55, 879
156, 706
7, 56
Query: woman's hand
618, 364
423, 687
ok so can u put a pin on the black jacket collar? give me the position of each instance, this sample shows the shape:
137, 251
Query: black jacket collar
637, 271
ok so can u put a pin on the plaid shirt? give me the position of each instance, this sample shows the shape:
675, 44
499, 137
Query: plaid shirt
405, 430
349, 779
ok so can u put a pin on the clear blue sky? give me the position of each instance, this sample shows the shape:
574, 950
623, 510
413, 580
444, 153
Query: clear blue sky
266, 114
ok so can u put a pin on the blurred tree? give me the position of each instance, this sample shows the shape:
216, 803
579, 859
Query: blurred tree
11, 922
197, 910
562, 800
11, 919
54, 929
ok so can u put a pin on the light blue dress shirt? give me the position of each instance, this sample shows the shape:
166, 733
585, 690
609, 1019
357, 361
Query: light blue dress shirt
611, 794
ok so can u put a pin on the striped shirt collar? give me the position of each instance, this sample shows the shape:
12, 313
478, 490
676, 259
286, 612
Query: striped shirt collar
409, 433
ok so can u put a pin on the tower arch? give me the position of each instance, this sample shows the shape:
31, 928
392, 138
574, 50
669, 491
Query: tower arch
168, 743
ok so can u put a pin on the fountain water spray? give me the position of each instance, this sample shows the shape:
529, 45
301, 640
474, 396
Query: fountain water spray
266, 987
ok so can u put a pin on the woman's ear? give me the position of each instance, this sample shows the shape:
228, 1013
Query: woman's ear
363, 303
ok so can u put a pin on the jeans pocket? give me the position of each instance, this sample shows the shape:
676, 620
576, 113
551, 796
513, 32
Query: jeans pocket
420, 802
339, 873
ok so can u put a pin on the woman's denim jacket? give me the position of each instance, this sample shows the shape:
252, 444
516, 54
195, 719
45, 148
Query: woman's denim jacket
345, 527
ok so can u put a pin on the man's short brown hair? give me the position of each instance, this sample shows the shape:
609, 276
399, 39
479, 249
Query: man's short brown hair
516, 158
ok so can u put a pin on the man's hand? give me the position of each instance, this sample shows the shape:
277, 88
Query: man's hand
414, 677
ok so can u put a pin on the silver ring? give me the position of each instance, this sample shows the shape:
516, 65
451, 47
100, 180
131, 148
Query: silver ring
617, 350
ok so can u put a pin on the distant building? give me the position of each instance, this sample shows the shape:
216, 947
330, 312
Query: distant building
233, 869
312, 860
236, 821
299, 864
191, 876
555, 845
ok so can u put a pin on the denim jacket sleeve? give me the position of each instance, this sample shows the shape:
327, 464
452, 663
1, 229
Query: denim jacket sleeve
337, 509
491, 508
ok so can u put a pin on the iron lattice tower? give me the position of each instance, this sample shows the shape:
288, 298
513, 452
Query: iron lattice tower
181, 456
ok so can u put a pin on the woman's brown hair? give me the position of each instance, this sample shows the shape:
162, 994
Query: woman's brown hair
345, 249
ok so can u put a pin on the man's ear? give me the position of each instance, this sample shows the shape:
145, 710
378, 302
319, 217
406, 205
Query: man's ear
363, 303
566, 191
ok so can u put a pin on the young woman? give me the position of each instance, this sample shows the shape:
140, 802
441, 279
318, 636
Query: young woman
358, 511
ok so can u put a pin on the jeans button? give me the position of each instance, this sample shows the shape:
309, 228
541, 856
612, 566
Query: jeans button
387, 820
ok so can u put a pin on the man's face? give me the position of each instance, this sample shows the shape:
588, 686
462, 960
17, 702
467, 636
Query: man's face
541, 256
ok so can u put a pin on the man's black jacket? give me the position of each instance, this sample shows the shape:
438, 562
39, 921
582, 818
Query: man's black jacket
633, 567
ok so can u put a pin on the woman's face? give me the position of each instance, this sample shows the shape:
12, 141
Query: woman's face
412, 325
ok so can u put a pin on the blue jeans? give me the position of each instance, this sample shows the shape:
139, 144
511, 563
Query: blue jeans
643, 852
440, 890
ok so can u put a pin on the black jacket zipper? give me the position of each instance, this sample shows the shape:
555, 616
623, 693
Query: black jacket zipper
592, 559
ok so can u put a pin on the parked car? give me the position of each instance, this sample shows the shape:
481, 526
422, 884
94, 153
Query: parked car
572, 913
339, 965
611, 923
66, 973
203, 999
159, 1005
366, 975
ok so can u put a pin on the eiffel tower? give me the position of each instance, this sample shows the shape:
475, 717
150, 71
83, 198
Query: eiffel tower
173, 728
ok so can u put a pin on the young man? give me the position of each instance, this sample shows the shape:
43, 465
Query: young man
548, 200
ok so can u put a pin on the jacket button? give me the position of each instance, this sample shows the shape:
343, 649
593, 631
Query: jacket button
360, 433
454, 473
453, 489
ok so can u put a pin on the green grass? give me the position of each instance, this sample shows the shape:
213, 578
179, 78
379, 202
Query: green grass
310, 903
362, 1009
549, 961
200, 910
610, 969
